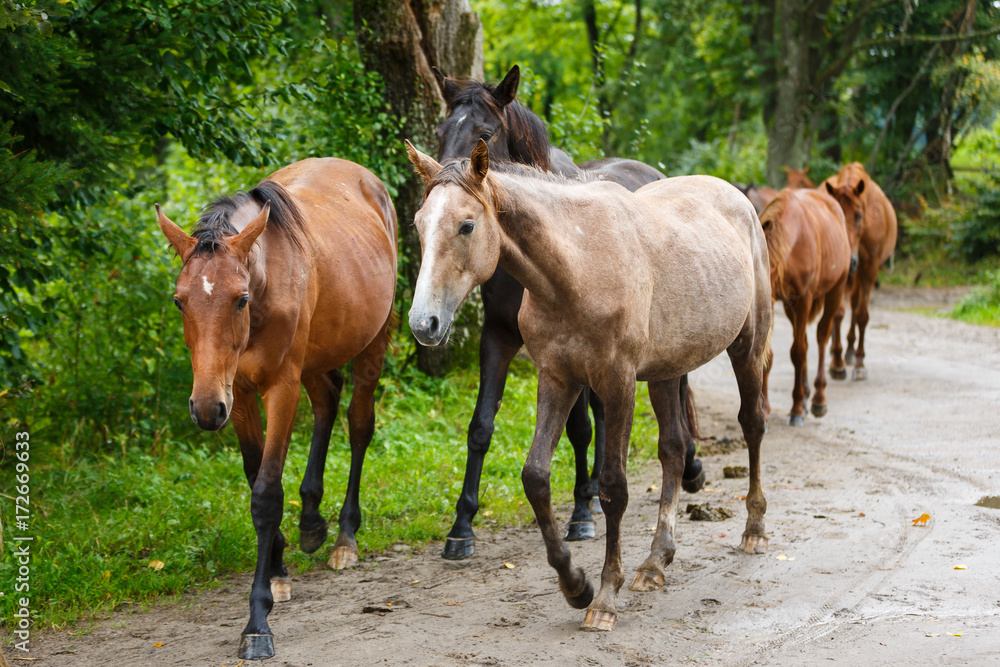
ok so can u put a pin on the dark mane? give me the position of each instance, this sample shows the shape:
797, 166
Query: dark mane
527, 138
214, 224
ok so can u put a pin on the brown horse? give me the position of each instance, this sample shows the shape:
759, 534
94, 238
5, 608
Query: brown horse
810, 258
797, 178
619, 287
280, 287
871, 224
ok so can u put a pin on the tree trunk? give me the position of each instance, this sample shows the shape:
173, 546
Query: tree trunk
401, 40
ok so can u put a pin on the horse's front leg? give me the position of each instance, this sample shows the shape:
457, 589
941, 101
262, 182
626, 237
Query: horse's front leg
497, 347
664, 396
554, 402
618, 393
865, 285
361, 428
266, 502
324, 393
250, 432
581, 523
838, 369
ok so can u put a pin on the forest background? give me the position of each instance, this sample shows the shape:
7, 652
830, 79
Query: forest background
110, 106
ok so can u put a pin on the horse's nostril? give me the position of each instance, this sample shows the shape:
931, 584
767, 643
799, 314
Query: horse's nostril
435, 323
222, 411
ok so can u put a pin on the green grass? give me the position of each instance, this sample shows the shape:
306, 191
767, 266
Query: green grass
99, 521
936, 268
983, 305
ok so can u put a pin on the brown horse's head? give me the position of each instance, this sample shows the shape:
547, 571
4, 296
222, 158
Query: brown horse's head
797, 178
848, 193
213, 295
459, 240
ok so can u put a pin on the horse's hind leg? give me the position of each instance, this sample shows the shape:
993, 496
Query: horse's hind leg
581, 523
799, 314
664, 397
554, 403
324, 394
694, 474
838, 369
833, 298
747, 356
361, 428
497, 348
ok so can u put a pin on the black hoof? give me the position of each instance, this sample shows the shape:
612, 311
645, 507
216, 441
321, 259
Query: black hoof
696, 482
838, 373
580, 530
458, 548
818, 410
256, 647
583, 599
311, 540
796, 420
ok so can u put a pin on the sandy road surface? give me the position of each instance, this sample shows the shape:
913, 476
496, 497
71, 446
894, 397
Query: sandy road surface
860, 584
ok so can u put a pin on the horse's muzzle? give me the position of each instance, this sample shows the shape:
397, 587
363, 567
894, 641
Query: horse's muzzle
429, 330
209, 415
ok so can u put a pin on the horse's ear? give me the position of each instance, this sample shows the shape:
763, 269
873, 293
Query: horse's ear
860, 187
805, 171
787, 170
480, 162
449, 89
425, 165
507, 90
829, 188
182, 243
243, 242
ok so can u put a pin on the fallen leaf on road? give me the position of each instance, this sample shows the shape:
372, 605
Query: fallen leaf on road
718, 534
158, 644
861, 513
156, 564
295, 503
923, 518
739, 497
652, 487
955, 634
415, 581
452, 603
509, 566
933, 634
960, 566
784, 557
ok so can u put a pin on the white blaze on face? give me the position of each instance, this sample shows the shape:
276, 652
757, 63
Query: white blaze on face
435, 210
461, 120
208, 287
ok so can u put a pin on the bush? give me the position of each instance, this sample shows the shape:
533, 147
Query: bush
983, 305
977, 234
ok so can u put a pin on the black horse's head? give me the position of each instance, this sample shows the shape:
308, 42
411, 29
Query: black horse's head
491, 113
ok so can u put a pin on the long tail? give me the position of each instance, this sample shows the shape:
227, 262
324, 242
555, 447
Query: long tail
690, 411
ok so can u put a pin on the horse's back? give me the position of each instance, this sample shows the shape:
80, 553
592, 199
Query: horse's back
351, 255
630, 174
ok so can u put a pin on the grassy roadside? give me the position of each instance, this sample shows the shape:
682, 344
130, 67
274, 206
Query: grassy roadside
99, 522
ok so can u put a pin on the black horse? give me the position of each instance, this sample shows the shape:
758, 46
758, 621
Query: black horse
515, 134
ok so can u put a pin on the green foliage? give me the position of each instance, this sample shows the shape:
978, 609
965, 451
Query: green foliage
978, 234
983, 305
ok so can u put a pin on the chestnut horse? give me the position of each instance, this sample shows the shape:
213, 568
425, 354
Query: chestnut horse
810, 257
797, 178
871, 223
281, 286
620, 287
477, 110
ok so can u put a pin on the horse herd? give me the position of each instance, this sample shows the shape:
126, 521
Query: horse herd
608, 272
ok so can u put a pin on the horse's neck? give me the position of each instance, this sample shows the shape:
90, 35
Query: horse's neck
536, 250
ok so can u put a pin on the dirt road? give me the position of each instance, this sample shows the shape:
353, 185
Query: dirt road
849, 578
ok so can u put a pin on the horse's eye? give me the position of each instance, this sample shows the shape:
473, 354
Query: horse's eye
243, 303
178, 304
486, 136
466, 227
